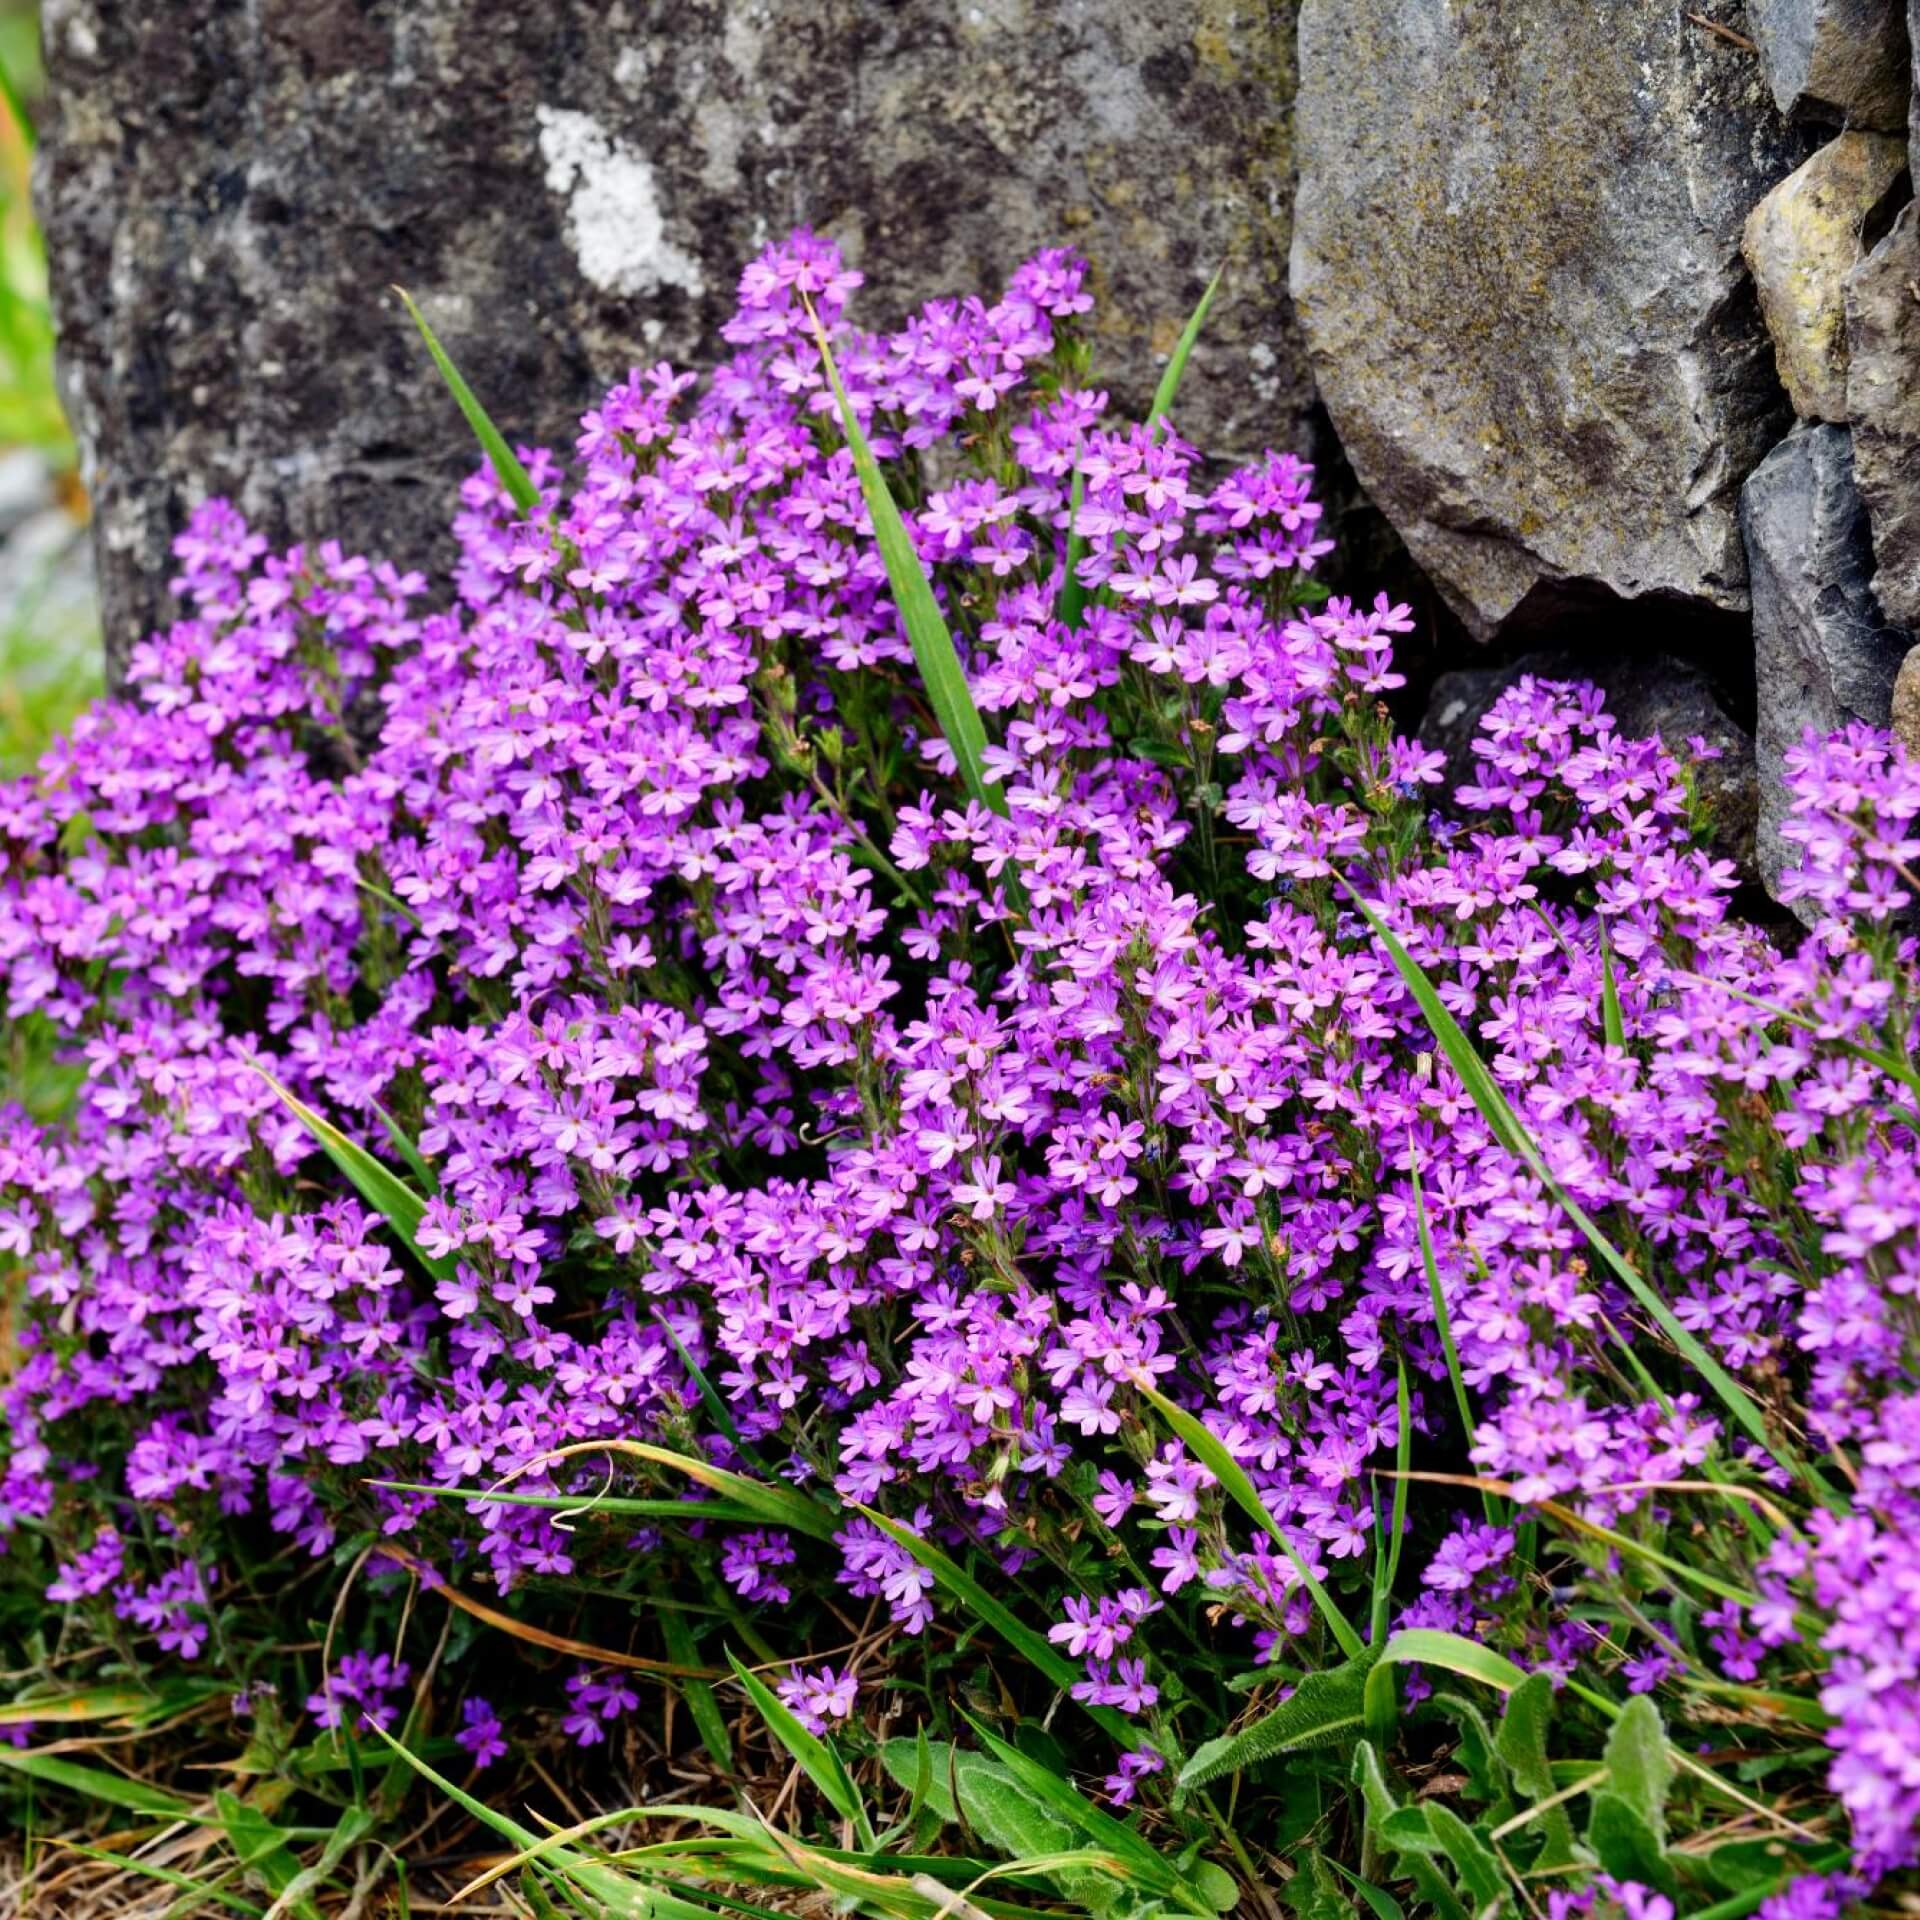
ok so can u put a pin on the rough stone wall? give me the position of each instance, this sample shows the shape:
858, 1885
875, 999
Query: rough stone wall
1563, 278
231, 187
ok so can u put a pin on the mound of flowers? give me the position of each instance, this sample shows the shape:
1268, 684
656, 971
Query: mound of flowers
937, 1161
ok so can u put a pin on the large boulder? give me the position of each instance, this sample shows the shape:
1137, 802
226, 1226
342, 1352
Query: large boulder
231, 187
1843, 61
1516, 260
1883, 400
1823, 654
1801, 242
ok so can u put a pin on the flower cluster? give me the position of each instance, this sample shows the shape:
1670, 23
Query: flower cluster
764, 1093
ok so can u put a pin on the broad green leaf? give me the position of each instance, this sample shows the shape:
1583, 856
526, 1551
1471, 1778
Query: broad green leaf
1473, 1860
381, 1188
1073, 592
1486, 1095
1476, 1754
927, 632
512, 475
1383, 1904
1624, 1844
817, 1759
1325, 1709
1207, 1447
1034, 1648
1377, 1798
1169, 386
1638, 1768
94, 1783
262, 1850
1314, 1893
1522, 1743
1429, 1647
1071, 1805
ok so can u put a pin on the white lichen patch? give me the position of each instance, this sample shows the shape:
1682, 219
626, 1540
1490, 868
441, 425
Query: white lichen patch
615, 223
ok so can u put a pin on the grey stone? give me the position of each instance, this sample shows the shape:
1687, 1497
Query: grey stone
1823, 655
1843, 61
1883, 399
1801, 242
1905, 718
231, 187
1648, 696
1516, 261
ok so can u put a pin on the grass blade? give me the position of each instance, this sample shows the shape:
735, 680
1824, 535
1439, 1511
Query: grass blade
1034, 1648
1387, 1566
1169, 385
94, 1783
817, 1759
1203, 1442
512, 475
933, 649
708, 1720
381, 1188
1611, 1024
1492, 1103
1444, 1321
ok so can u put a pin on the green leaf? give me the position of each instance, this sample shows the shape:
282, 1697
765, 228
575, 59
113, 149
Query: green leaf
1206, 1446
512, 475
771, 1505
1325, 1709
1522, 1743
1157, 415
1071, 1805
1386, 1566
382, 1189
1477, 1753
1034, 1648
1429, 1647
1624, 1844
1314, 1894
1611, 1023
1638, 1769
710, 1722
1486, 1095
817, 1759
1444, 1322
927, 632
584, 1505
93, 1783
1073, 592
1473, 1860
202, 1890
1383, 1904
262, 1851
1377, 1798
416, 1162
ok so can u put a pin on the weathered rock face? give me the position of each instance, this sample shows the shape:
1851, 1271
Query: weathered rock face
1823, 655
1883, 399
1647, 695
1843, 61
1801, 242
1516, 262
230, 189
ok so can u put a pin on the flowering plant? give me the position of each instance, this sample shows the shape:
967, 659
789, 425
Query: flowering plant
870, 1046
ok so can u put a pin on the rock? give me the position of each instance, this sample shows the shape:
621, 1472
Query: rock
1843, 61
1822, 653
1905, 718
1801, 242
1883, 399
1516, 261
1647, 695
572, 187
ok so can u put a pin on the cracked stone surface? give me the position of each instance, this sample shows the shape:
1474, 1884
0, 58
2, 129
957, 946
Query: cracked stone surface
231, 188
1516, 261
